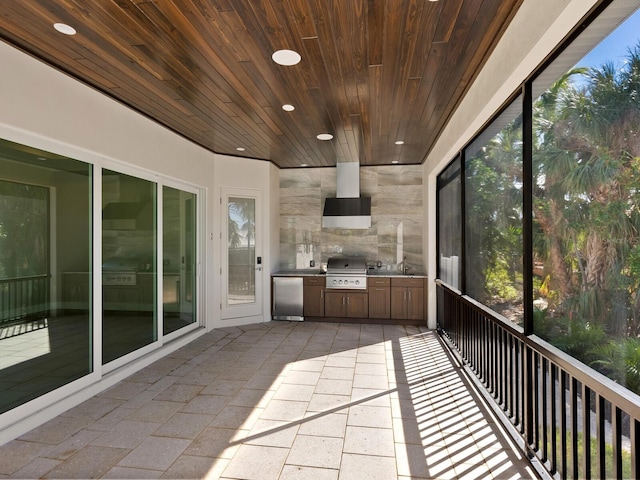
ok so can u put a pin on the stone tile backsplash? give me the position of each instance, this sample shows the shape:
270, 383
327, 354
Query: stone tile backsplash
396, 217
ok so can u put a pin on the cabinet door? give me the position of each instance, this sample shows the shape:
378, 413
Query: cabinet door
335, 304
313, 301
399, 303
415, 305
120, 298
357, 305
379, 302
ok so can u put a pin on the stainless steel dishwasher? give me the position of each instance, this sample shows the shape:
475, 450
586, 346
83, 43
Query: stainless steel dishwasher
287, 299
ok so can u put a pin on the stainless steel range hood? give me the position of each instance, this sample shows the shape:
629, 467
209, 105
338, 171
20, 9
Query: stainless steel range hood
348, 210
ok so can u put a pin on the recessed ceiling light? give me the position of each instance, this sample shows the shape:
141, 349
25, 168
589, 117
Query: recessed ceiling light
42, 159
64, 28
324, 136
286, 57
394, 161
240, 149
399, 142
288, 108
303, 165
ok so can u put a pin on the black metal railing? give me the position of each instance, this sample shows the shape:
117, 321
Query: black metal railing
577, 422
24, 298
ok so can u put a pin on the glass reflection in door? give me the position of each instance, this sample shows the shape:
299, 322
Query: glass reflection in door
241, 245
128, 264
45, 273
179, 262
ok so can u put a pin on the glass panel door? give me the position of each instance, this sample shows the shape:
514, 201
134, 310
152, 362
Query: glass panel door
241, 250
45, 273
243, 282
128, 264
179, 259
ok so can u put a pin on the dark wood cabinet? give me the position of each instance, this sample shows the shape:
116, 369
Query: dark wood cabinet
407, 298
387, 299
121, 298
357, 305
379, 297
335, 304
346, 304
313, 296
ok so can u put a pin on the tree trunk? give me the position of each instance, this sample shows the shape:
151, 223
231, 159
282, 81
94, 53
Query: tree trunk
596, 261
560, 280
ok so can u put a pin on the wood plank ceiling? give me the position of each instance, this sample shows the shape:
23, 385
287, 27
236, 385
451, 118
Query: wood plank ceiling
373, 72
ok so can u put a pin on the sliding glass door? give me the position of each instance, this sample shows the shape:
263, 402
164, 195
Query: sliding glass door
147, 274
45, 273
179, 259
129, 259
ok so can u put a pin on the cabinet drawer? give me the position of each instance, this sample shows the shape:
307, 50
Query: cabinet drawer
314, 281
378, 282
407, 282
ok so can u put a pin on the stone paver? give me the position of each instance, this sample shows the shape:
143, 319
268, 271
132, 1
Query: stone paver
279, 401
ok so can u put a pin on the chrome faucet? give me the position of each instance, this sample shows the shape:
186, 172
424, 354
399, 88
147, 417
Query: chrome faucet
404, 268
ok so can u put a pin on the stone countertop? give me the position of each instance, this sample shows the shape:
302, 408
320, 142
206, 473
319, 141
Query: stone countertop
370, 272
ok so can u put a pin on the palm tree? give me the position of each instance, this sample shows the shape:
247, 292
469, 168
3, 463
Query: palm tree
551, 165
599, 126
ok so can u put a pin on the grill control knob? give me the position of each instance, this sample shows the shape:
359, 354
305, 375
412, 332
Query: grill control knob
357, 282
335, 281
339, 282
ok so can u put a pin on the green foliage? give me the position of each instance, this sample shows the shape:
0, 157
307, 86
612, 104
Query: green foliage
593, 454
587, 213
24, 241
576, 337
619, 359
500, 285
493, 201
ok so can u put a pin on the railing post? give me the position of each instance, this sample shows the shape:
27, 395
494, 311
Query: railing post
573, 395
600, 437
616, 434
635, 451
529, 392
586, 432
563, 424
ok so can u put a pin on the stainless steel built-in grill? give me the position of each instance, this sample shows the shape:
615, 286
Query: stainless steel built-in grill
347, 273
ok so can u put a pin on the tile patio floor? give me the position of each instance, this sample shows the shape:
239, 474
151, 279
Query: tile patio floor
280, 401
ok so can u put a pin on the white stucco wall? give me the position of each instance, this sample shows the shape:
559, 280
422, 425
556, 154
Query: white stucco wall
536, 30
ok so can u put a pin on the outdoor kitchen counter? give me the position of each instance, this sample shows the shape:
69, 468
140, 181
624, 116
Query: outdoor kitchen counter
389, 297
